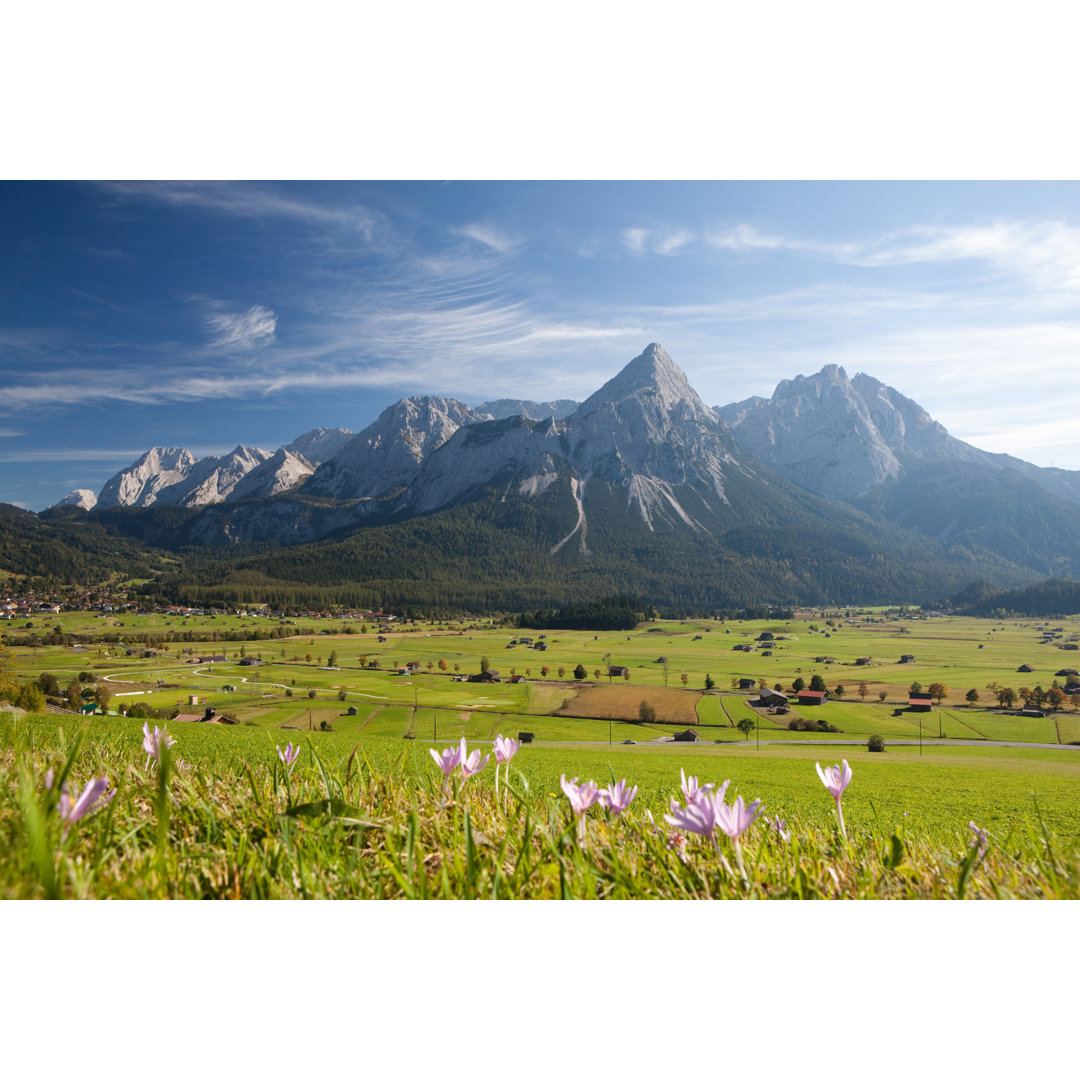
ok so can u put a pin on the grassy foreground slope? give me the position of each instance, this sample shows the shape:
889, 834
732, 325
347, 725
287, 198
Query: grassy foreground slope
367, 818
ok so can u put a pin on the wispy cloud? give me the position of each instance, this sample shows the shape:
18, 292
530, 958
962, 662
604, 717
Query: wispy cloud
1045, 252
491, 236
248, 200
241, 330
640, 241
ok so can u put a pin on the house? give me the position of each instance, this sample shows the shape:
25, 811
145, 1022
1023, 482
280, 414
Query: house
864, 660
525, 736
686, 736
812, 697
617, 672
413, 667
771, 698
540, 646
907, 658
250, 661
351, 711
919, 702
524, 640
1025, 668
517, 678
491, 675
1067, 671
747, 684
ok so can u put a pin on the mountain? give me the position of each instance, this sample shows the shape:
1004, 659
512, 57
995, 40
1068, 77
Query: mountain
387, 454
82, 498
867, 444
833, 491
282, 471
139, 484
212, 479
530, 410
319, 444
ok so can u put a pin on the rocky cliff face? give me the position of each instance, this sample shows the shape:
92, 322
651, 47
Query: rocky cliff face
212, 479
530, 410
319, 444
83, 498
388, 454
818, 431
140, 484
281, 472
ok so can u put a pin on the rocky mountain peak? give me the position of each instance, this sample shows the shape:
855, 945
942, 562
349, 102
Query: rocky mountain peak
654, 376
139, 484
83, 498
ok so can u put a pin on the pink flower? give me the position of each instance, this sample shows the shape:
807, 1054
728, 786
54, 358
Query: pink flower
472, 764
450, 758
981, 838
691, 789
616, 798
779, 826
154, 742
836, 778
699, 816
92, 794
581, 796
736, 818
505, 748
288, 755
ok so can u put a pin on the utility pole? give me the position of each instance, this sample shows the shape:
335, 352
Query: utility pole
920, 734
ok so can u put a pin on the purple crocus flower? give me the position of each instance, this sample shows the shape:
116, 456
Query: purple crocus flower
472, 764
505, 748
691, 788
616, 798
93, 794
836, 778
450, 758
981, 838
581, 796
735, 818
779, 826
699, 816
153, 742
288, 755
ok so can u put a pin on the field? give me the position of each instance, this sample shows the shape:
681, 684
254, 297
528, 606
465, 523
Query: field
365, 724
222, 816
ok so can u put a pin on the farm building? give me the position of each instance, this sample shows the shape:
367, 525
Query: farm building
1025, 668
907, 658
617, 672
491, 675
747, 684
771, 698
686, 736
919, 702
250, 661
812, 697
351, 711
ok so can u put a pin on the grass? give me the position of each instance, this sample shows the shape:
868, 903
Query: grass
366, 817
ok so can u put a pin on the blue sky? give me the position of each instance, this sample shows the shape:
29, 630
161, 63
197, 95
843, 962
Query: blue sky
209, 314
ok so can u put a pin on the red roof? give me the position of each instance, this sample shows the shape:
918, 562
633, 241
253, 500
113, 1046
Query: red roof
817, 695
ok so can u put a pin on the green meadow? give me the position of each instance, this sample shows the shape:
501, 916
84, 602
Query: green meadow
364, 724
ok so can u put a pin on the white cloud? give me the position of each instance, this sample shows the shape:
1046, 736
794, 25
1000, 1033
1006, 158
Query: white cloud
491, 236
640, 241
245, 330
243, 200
